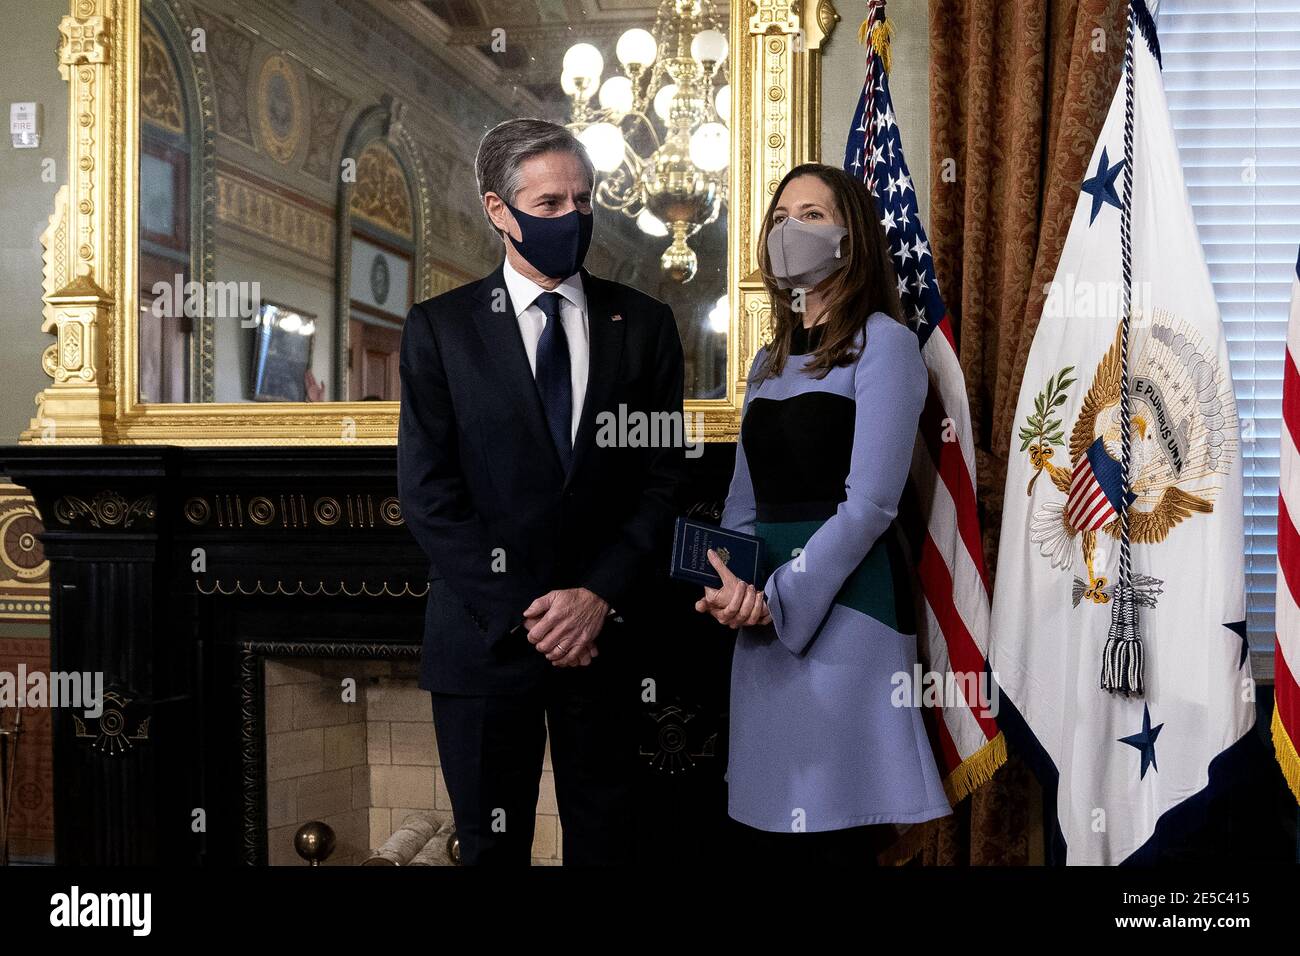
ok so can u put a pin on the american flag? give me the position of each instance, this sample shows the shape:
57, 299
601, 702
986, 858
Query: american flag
937, 511
1286, 659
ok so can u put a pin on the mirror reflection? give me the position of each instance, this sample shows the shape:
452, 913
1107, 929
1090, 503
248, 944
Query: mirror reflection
306, 175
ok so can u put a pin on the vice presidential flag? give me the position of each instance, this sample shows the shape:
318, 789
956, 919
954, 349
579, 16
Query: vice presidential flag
1123, 666
937, 510
1286, 657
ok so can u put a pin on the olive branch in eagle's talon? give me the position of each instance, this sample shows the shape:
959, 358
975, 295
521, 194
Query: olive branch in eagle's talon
1042, 430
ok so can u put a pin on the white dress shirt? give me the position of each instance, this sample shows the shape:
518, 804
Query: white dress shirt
573, 315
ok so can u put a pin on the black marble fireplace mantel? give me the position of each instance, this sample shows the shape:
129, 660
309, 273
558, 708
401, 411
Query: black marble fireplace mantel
174, 570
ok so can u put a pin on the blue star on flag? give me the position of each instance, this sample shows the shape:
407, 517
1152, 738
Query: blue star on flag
1239, 628
1145, 741
1101, 187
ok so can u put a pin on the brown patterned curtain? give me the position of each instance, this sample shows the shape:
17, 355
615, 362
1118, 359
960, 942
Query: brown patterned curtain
1019, 90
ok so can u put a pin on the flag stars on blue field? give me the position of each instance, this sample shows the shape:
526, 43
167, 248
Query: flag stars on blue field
1101, 187
1145, 742
900, 184
874, 154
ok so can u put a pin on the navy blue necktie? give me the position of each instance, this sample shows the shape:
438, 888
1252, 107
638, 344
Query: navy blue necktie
553, 377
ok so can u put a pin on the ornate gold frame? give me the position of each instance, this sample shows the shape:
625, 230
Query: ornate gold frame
91, 243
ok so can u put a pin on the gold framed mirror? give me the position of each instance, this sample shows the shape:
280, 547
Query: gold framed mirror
117, 374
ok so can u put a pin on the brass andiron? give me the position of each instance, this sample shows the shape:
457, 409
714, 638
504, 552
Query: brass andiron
314, 842
8, 772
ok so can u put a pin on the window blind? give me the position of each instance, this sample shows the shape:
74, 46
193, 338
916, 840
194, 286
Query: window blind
1232, 77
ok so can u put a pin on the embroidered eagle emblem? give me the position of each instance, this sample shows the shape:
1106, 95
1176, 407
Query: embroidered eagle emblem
1182, 439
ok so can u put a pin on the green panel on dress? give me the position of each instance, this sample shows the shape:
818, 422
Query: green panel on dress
878, 586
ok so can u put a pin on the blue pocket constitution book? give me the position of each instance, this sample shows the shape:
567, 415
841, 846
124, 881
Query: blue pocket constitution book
692, 541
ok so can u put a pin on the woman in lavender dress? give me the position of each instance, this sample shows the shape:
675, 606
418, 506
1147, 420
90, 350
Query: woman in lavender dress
818, 754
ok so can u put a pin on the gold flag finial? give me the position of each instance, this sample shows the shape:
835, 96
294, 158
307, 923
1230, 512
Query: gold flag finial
876, 31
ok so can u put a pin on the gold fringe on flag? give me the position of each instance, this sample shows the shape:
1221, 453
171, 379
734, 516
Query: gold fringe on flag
878, 36
1287, 757
976, 770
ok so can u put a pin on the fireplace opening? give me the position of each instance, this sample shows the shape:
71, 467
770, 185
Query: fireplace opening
350, 743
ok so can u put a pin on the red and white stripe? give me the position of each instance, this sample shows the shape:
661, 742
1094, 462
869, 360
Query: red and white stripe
937, 512
1286, 659
1087, 508
954, 630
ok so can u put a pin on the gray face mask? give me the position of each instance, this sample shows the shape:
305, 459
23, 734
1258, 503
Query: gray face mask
802, 254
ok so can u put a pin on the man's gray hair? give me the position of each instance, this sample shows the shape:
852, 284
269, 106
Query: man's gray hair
505, 148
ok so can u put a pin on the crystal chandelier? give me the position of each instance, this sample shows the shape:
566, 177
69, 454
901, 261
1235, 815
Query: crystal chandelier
670, 177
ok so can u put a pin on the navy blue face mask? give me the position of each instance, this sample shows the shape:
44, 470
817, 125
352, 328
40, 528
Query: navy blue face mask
554, 246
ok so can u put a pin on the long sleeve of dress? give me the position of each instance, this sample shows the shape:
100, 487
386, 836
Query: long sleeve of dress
890, 385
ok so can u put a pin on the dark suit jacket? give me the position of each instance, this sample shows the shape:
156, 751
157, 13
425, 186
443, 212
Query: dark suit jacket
484, 493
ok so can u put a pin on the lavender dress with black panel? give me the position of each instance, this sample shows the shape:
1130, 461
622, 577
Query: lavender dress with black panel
820, 467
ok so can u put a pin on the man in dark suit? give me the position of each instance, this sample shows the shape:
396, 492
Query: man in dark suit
541, 533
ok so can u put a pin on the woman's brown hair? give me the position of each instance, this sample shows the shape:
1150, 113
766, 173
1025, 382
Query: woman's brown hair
866, 284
